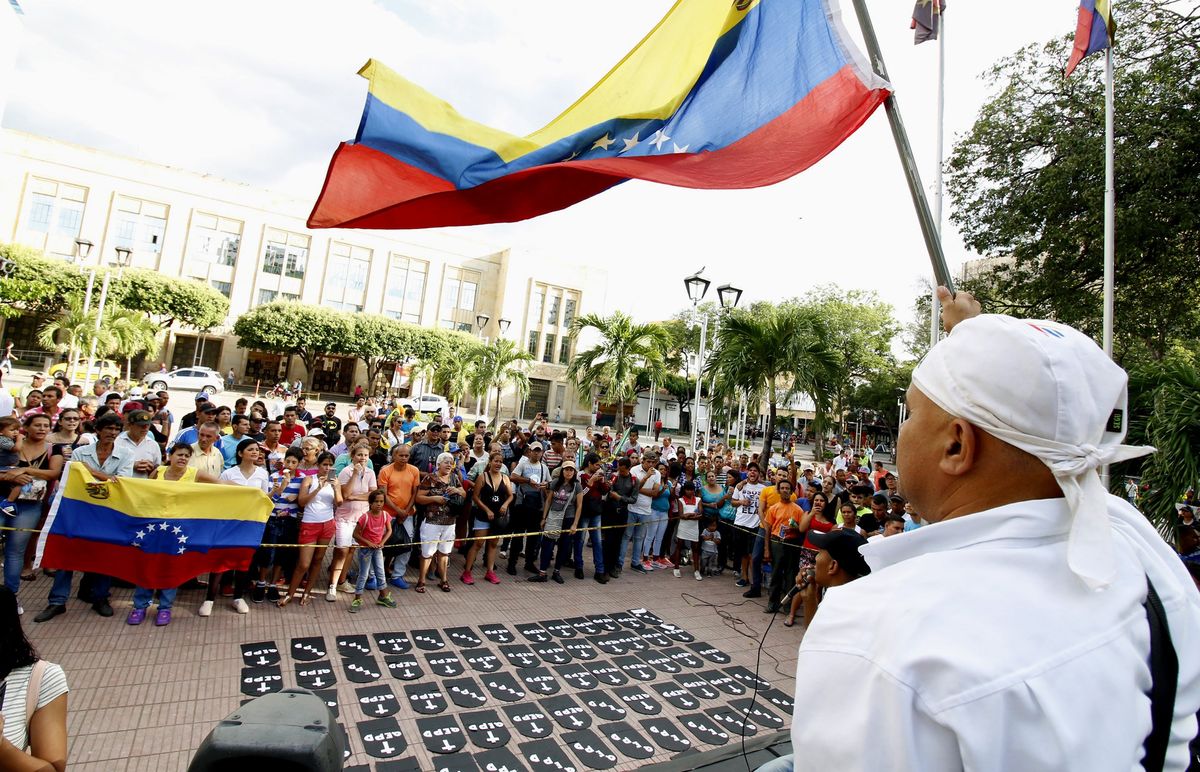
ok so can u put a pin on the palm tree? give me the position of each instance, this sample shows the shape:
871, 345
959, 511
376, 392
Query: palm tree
453, 375
134, 334
611, 366
500, 364
74, 331
772, 353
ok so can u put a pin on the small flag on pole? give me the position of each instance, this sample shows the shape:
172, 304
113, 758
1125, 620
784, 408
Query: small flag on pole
926, 20
1096, 31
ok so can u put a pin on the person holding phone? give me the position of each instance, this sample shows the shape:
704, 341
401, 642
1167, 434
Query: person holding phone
320, 495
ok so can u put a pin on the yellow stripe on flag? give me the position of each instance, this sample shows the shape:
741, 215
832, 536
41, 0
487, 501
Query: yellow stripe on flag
164, 500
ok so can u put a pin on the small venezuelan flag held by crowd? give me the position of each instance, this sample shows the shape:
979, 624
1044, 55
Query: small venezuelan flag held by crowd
720, 94
1095, 31
153, 533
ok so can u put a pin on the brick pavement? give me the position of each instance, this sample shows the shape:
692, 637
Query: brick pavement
143, 698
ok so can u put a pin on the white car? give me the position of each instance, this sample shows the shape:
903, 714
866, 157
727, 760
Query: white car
426, 403
187, 379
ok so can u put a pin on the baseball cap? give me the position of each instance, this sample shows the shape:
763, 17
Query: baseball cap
202, 397
39, 374
207, 408
138, 417
842, 545
535, 446
331, 404
458, 419
568, 464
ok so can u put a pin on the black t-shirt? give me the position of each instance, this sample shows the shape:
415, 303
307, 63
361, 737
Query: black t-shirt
188, 420
868, 523
331, 424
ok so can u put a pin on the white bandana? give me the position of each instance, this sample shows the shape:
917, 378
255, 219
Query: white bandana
1049, 390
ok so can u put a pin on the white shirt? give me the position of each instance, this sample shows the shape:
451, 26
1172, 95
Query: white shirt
7, 404
257, 479
146, 450
972, 645
644, 479
748, 515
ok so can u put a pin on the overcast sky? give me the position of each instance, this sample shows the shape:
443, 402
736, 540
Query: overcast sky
261, 92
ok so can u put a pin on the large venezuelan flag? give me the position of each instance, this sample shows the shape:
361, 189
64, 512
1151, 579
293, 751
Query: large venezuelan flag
1094, 31
151, 532
719, 94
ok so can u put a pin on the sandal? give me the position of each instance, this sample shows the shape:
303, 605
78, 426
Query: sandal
445, 586
283, 601
419, 588
29, 577
789, 622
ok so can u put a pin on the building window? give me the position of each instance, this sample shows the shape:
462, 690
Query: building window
338, 306
266, 296
548, 353
286, 253
535, 306
290, 297
139, 225
213, 240
533, 343
466, 296
564, 351
459, 292
552, 314
55, 208
224, 287
404, 292
346, 276
569, 311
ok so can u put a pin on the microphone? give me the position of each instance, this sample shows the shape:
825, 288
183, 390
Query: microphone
787, 598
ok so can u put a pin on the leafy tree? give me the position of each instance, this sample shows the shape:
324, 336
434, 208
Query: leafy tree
37, 284
291, 328
772, 353
133, 335
74, 331
611, 366
1027, 183
685, 335
497, 365
187, 301
378, 339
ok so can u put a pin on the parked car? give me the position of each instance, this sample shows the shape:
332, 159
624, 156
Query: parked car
426, 403
102, 369
187, 379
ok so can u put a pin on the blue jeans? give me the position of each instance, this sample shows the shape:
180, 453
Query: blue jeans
166, 598
370, 562
590, 523
635, 531
781, 764
652, 542
28, 513
756, 559
61, 591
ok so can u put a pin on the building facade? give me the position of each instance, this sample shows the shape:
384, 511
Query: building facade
251, 244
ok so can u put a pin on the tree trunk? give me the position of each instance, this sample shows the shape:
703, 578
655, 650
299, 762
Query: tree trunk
765, 458
496, 412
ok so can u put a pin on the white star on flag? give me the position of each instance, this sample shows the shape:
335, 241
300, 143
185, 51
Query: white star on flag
602, 143
140, 535
176, 530
679, 149
163, 526
658, 139
631, 143
183, 539
181, 550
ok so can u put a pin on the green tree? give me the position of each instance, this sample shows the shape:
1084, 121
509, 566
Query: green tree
771, 353
133, 334
74, 331
497, 365
291, 328
1027, 183
378, 339
685, 335
187, 301
611, 366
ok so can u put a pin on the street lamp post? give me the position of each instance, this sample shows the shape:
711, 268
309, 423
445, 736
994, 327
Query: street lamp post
481, 321
121, 261
83, 248
697, 287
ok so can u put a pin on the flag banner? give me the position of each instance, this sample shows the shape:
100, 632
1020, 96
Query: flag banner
153, 533
720, 94
1094, 32
926, 20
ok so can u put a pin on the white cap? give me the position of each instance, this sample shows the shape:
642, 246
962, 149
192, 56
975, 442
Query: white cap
1049, 390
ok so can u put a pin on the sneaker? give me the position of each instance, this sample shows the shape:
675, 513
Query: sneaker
637, 568
675, 573
48, 613
398, 581
467, 578
346, 587
538, 578
103, 608
699, 578
240, 606
8, 508
273, 593
511, 570
664, 563
355, 605
741, 583
136, 616
491, 577
504, 554
387, 601
601, 578
331, 594
647, 566
163, 617
753, 592
206, 608
557, 577
531, 568
615, 573
259, 593
20, 610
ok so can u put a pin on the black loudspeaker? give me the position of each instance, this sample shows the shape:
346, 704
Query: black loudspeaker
288, 731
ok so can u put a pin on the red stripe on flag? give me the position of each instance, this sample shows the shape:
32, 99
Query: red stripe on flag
366, 188
155, 571
1083, 34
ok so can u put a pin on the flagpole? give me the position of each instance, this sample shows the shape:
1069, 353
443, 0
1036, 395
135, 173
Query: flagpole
939, 19
1110, 216
929, 229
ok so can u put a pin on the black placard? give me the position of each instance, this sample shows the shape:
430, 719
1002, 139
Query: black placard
441, 734
545, 755
445, 664
589, 749
609, 644
577, 676
257, 681
747, 678
503, 687
724, 682
315, 675
533, 632
393, 643
666, 734
497, 633
538, 681
627, 620
583, 625
604, 705
580, 649
732, 720
607, 674
362, 670
647, 616
552, 653
634, 667
485, 729
700, 688
777, 698
382, 738
704, 729
684, 658
656, 638
758, 713
377, 701
428, 640
627, 740
456, 762
260, 654
403, 666
353, 646
677, 695
341, 730
530, 720
407, 764
566, 712
559, 628
465, 692
676, 633
604, 622
710, 653
425, 698
308, 649
499, 760
660, 661
482, 660
463, 637
638, 698
329, 697
520, 655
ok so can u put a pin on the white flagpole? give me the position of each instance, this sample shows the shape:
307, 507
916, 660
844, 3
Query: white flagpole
935, 325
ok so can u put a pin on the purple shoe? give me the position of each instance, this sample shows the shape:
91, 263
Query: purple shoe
163, 618
136, 617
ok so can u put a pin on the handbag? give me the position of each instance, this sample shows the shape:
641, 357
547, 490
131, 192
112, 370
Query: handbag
728, 510
34, 490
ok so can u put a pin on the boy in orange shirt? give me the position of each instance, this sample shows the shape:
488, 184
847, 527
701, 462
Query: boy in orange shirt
781, 523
